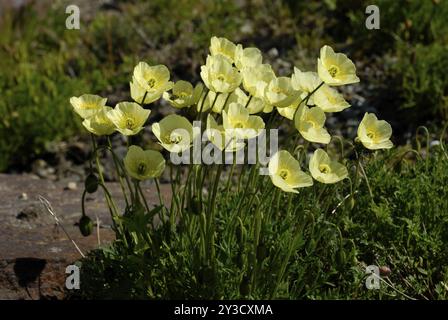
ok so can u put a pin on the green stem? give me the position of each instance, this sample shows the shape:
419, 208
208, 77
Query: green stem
120, 172
139, 189
307, 97
100, 174
144, 97
229, 179
160, 199
211, 216
367, 181
292, 247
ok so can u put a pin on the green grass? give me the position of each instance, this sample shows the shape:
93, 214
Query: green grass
323, 251
43, 64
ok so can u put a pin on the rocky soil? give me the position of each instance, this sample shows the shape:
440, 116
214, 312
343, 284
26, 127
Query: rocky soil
34, 251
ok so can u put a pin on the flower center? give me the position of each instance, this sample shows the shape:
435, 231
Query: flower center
283, 174
333, 71
130, 124
180, 95
371, 135
174, 138
239, 125
312, 123
151, 83
221, 77
324, 168
278, 90
141, 169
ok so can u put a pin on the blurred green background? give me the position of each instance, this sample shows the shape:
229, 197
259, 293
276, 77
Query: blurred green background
403, 65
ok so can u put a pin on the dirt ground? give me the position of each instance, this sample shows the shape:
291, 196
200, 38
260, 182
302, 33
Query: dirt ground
34, 251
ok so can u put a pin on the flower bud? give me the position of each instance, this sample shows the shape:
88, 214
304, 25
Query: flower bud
195, 205
239, 259
91, 183
245, 286
206, 275
352, 202
240, 233
262, 252
85, 226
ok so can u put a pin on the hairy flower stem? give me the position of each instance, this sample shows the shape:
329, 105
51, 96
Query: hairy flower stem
199, 115
240, 203
288, 208
257, 226
211, 214
292, 247
229, 179
120, 173
162, 216
307, 98
140, 191
174, 191
143, 99
112, 208
242, 173
360, 168
247, 103
187, 189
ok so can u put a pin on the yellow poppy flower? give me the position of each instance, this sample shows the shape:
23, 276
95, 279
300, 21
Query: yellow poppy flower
217, 135
128, 117
335, 69
374, 134
310, 123
257, 78
247, 57
255, 105
305, 82
219, 75
223, 101
174, 132
224, 47
289, 111
144, 164
99, 123
183, 94
240, 122
324, 170
151, 81
330, 100
209, 99
280, 93
88, 104
286, 174
267, 107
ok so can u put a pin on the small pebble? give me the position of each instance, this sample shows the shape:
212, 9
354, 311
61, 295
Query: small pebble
385, 271
71, 186
23, 196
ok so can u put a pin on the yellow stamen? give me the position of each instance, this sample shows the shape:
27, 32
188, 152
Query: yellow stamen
151, 83
371, 135
283, 174
324, 168
333, 71
130, 124
141, 169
